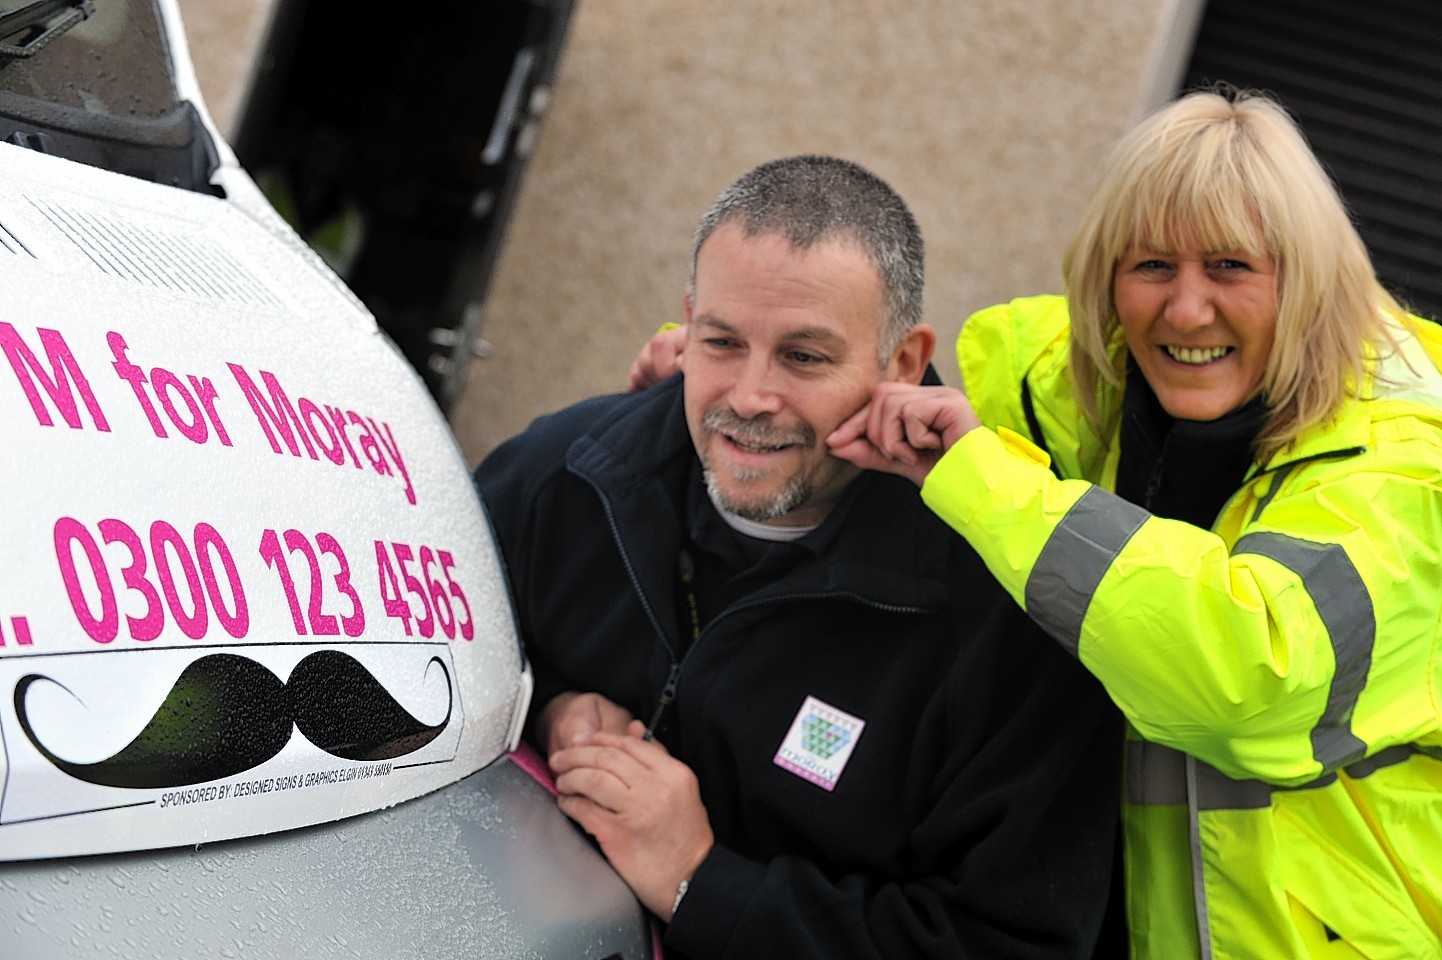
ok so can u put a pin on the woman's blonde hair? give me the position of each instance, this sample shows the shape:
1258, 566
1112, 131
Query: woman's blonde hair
1233, 172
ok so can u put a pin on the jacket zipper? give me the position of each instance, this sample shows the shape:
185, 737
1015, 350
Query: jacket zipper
673, 678
1154, 482
668, 694
1282, 469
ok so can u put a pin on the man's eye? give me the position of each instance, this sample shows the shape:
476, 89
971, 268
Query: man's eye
802, 358
719, 343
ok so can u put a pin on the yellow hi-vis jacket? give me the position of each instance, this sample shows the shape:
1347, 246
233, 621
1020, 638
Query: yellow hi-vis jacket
1281, 672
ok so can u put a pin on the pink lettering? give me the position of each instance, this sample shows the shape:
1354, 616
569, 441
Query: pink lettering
332, 450
282, 416
322, 427
198, 399
338, 416
63, 370
134, 376
21, 626
165, 384
388, 440
163, 565
369, 446
205, 393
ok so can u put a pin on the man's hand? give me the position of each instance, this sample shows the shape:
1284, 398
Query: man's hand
572, 717
642, 806
904, 429
660, 357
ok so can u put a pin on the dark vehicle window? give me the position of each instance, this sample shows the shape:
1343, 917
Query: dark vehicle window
403, 176
101, 92
112, 63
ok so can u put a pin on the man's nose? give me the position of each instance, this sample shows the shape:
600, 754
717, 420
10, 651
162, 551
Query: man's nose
755, 391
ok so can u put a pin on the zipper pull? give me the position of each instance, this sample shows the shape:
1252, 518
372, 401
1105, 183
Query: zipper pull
668, 694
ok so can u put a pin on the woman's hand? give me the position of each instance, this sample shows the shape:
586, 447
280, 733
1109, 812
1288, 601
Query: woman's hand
904, 429
659, 358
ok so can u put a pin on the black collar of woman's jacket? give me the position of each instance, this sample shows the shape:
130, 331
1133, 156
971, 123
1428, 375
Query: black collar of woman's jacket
880, 542
1182, 469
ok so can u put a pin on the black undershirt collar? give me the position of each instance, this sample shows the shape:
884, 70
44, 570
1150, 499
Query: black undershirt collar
1183, 469
727, 564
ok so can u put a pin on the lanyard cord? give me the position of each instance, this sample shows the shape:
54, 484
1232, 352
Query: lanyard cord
686, 568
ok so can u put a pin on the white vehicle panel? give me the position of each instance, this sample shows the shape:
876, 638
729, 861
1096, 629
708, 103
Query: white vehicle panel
224, 495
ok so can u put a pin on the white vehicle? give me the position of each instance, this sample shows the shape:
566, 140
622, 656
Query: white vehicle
259, 674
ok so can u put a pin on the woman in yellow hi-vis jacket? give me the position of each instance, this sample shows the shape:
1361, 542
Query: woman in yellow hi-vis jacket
1214, 473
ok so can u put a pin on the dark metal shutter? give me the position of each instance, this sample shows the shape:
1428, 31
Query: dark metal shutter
1364, 80
405, 137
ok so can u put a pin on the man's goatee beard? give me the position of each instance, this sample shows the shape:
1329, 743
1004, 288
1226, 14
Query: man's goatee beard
756, 432
796, 492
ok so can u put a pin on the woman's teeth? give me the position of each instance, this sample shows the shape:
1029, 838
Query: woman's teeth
1196, 355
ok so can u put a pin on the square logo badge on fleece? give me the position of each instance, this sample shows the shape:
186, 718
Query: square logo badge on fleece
819, 743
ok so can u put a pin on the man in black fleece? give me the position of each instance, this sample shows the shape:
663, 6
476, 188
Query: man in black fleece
797, 714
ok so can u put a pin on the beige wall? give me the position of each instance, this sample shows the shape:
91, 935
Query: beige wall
224, 37
989, 116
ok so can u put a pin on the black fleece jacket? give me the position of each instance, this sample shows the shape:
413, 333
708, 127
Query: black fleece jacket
975, 816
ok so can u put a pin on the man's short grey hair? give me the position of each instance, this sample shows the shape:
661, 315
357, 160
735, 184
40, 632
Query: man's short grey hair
811, 199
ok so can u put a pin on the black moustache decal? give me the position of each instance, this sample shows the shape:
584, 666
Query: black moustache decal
361, 720
226, 714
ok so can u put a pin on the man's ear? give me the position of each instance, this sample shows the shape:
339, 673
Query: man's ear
909, 359
690, 302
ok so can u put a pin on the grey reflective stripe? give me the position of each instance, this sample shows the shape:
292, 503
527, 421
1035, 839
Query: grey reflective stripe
1155, 774
1389, 758
1199, 875
1345, 607
1075, 558
1217, 791
1205, 788
1159, 775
